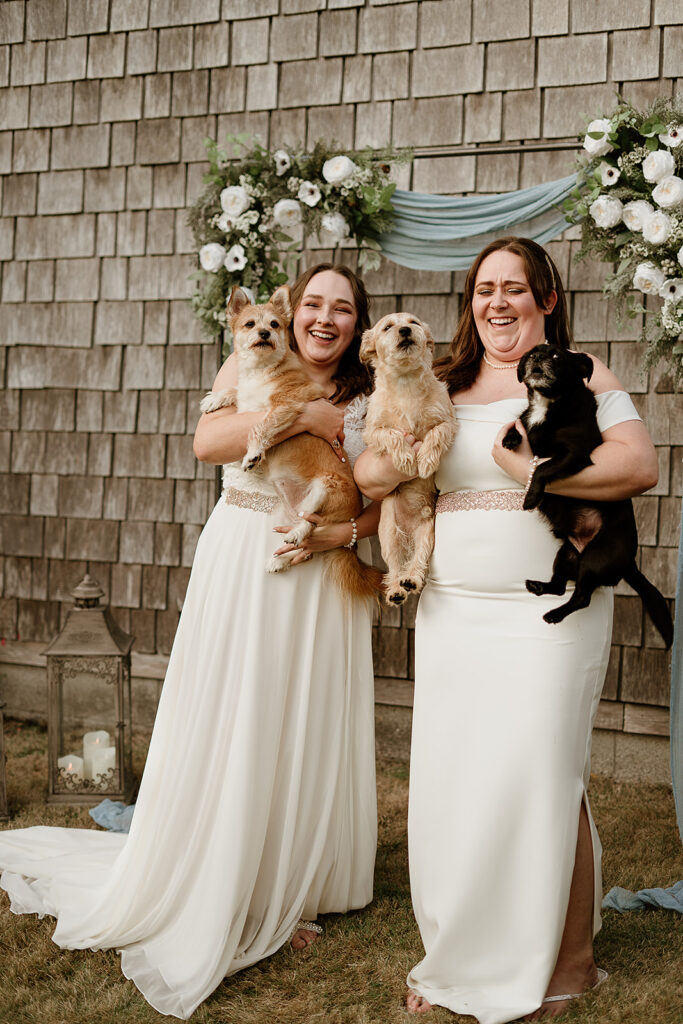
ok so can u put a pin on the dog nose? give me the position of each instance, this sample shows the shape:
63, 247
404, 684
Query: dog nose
264, 334
405, 332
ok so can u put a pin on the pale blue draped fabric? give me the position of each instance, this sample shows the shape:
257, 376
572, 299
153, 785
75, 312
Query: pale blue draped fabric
447, 232
676, 727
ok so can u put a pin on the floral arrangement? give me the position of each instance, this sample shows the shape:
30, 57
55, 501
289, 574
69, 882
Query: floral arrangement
629, 199
256, 200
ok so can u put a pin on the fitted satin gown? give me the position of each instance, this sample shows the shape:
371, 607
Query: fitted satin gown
257, 805
504, 706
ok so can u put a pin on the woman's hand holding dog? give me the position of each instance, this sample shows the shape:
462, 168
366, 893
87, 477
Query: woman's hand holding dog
377, 476
325, 420
331, 535
514, 463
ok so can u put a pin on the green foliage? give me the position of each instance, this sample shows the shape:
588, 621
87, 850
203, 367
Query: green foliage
631, 243
253, 242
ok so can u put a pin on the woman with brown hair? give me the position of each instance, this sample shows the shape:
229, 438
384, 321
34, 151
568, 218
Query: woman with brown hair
257, 805
504, 856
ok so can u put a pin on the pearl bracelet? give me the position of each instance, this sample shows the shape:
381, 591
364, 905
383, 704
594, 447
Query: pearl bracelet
533, 464
354, 534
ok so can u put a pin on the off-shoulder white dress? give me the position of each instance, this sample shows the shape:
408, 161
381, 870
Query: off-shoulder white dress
257, 805
504, 705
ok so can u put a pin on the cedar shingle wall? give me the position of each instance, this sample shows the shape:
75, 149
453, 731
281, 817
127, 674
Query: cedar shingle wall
103, 108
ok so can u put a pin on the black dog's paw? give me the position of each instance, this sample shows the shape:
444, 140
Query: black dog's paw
554, 616
512, 439
532, 497
536, 587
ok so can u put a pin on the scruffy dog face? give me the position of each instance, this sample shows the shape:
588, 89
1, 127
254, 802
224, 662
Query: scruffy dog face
550, 369
260, 332
398, 340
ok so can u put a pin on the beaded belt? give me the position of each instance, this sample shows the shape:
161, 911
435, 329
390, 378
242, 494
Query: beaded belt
250, 499
488, 501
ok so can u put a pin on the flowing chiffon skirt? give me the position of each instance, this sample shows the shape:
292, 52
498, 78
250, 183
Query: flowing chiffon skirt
257, 805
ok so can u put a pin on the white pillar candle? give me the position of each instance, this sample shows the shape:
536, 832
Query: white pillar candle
73, 764
102, 759
92, 742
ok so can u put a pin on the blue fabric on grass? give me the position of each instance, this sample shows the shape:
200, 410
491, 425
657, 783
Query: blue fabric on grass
113, 815
666, 899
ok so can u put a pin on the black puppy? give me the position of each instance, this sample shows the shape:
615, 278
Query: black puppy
600, 537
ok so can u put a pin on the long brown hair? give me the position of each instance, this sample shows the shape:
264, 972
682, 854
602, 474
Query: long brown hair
459, 369
352, 377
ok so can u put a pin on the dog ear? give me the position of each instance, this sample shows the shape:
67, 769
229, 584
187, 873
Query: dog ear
429, 337
521, 368
237, 301
585, 364
368, 349
281, 301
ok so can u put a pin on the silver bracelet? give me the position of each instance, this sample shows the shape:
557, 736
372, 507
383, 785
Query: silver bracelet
354, 534
533, 463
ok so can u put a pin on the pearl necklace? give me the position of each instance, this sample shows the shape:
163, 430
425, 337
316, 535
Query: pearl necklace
501, 366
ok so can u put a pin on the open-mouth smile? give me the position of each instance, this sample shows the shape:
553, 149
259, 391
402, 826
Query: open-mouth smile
322, 335
502, 321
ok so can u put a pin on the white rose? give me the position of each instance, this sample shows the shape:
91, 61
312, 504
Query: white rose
656, 228
282, 161
598, 147
225, 223
236, 258
635, 213
606, 212
608, 174
648, 278
338, 169
673, 137
336, 227
668, 192
672, 289
680, 255
287, 213
658, 165
309, 193
211, 257
234, 200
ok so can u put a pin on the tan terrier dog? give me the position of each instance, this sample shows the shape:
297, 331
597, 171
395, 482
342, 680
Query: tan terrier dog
305, 472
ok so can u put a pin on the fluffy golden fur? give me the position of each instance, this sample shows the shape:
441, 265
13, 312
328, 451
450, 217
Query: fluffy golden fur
307, 475
407, 399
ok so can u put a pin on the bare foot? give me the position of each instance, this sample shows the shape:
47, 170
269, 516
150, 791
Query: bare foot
575, 981
416, 1003
302, 938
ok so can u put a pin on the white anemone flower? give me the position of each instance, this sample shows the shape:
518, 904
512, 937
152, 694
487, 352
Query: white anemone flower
338, 169
236, 258
635, 213
657, 228
287, 213
308, 193
680, 256
609, 175
336, 227
673, 136
672, 289
225, 223
668, 192
658, 165
606, 212
601, 146
648, 278
234, 201
282, 161
211, 257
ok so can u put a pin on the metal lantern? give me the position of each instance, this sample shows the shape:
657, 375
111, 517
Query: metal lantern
89, 723
4, 814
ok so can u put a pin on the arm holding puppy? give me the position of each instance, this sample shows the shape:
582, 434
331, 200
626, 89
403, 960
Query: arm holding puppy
222, 436
623, 466
377, 476
332, 535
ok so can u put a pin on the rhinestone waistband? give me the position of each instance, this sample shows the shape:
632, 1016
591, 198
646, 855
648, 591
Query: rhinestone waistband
250, 499
487, 501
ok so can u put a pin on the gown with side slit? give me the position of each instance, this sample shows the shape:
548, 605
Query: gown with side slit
257, 806
503, 710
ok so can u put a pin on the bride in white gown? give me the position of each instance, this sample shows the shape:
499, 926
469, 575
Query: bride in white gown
257, 804
504, 856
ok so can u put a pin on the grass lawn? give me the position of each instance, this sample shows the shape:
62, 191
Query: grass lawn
356, 974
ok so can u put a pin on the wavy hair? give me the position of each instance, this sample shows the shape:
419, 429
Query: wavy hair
352, 377
460, 368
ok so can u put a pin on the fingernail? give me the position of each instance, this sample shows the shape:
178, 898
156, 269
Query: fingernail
343, 460
301, 515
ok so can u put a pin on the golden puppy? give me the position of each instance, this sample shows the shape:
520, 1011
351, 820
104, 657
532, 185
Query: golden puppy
407, 399
307, 475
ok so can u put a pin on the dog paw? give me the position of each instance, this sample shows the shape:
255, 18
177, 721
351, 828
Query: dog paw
251, 461
428, 465
536, 587
411, 584
531, 499
405, 461
512, 439
395, 596
278, 563
554, 616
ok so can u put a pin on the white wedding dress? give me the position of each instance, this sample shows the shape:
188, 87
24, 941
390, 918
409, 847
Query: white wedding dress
257, 805
504, 705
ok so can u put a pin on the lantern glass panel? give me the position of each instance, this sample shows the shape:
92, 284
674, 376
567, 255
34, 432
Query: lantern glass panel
88, 725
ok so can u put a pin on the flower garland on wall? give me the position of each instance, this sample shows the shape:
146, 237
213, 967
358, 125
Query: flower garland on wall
255, 200
629, 199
